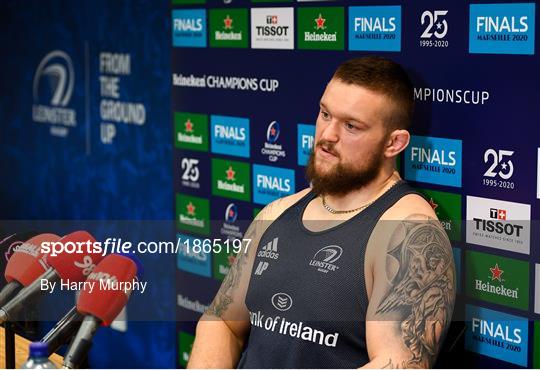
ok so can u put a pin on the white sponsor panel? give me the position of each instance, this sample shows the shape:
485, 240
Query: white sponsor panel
499, 224
272, 28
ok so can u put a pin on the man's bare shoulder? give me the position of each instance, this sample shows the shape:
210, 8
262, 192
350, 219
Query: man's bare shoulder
411, 207
277, 207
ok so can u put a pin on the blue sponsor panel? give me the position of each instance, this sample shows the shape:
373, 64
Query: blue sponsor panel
498, 335
304, 144
375, 28
189, 28
502, 28
191, 256
434, 160
229, 135
271, 183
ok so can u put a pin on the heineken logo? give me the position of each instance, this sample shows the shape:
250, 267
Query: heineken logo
318, 35
188, 125
191, 219
192, 214
496, 272
227, 22
230, 174
190, 209
497, 279
228, 34
433, 204
319, 22
321, 28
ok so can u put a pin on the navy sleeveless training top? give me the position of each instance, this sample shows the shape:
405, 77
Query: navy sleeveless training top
307, 297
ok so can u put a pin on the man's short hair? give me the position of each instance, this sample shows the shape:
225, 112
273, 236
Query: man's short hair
383, 76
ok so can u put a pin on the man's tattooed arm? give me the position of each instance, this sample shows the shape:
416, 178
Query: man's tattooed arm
414, 293
234, 286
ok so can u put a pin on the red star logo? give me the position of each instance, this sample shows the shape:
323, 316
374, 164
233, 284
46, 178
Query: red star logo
231, 213
273, 131
496, 272
230, 174
231, 259
502, 214
228, 22
191, 209
320, 22
433, 204
189, 125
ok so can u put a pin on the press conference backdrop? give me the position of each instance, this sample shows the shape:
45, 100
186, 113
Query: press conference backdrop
245, 78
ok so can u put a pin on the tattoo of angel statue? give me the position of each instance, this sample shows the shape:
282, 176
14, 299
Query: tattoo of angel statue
420, 269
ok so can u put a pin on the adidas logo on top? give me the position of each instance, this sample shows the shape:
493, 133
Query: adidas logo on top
269, 250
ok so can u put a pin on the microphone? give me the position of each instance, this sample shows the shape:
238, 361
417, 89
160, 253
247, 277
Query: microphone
25, 265
67, 326
100, 305
65, 266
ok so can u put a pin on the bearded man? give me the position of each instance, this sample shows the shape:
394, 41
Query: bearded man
354, 271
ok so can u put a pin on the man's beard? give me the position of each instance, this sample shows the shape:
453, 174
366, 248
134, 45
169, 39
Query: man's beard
342, 178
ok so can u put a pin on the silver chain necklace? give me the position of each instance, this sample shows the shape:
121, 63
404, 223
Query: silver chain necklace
336, 212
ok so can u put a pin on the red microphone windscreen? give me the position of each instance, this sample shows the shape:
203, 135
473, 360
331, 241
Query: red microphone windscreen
78, 258
104, 296
28, 263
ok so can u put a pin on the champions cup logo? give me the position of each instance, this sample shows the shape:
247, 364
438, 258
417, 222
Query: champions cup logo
54, 79
271, 149
231, 213
272, 133
324, 259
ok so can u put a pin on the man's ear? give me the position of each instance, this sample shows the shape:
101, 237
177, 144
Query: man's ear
396, 143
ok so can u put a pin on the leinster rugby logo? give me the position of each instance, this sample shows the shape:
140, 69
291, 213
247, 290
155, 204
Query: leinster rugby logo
324, 259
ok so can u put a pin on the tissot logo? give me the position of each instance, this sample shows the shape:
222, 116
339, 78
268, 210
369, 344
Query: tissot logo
230, 135
324, 258
497, 279
189, 28
272, 28
433, 160
498, 335
502, 28
282, 301
271, 183
53, 85
375, 28
305, 138
498, 224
